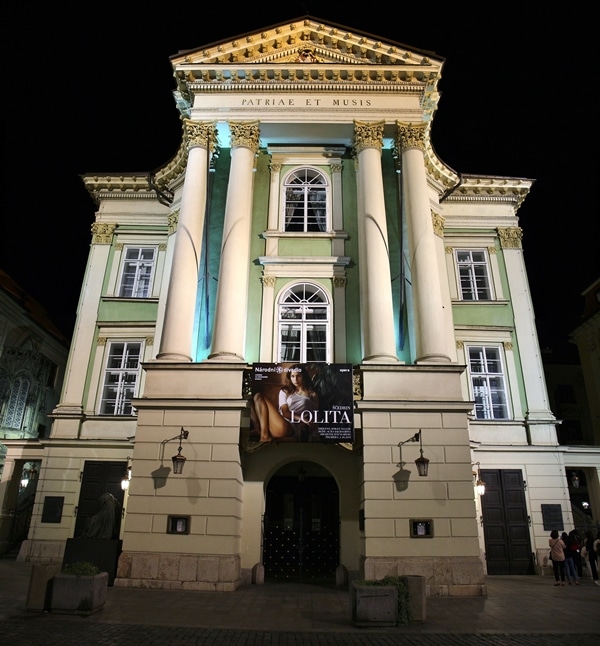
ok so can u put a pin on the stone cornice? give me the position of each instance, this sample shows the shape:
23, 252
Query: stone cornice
496, 190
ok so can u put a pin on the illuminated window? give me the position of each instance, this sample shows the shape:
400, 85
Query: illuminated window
138, 270
473, 275
304, 313
305, 201
120, 378
488, 382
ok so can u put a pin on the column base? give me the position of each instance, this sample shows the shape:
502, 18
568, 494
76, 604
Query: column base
173, 356
382, 358
434, 358
225, 356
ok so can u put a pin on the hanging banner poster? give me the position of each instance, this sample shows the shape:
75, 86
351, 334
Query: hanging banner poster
302, 402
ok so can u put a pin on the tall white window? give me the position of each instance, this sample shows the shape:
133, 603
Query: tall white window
138, 270
488, 382
120, 378
304, 314
305, 202
473, 275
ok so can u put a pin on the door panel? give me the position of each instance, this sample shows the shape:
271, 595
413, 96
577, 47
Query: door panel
506, 523
301, 529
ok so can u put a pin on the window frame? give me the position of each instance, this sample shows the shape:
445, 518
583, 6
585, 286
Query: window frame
486, 403
139, 265
307, 205
125, 391
473, 278
288, 298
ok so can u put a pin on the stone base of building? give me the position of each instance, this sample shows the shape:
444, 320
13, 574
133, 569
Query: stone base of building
445, 576
210, 573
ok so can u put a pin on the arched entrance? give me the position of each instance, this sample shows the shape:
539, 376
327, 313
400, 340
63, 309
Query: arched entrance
301, 528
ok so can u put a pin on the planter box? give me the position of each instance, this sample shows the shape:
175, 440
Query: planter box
78, 595
374, 605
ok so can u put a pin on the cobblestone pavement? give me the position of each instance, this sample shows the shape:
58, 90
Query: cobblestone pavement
516, 611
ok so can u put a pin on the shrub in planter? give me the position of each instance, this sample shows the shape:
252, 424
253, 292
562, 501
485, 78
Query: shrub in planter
79, 589
381, 615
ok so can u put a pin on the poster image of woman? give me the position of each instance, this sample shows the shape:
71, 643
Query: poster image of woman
284, 420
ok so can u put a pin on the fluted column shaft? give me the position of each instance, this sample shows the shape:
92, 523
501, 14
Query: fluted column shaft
431, 336
229, 336
377, 312
176, 339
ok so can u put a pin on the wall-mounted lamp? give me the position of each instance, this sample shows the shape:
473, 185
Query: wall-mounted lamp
421, 462
179, 460
479, 483
575, 480
127, 476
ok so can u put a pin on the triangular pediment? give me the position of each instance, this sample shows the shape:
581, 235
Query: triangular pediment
307, 40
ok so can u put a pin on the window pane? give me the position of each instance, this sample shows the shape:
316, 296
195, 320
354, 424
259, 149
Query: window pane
120, 378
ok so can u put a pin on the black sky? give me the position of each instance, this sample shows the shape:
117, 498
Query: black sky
90, 90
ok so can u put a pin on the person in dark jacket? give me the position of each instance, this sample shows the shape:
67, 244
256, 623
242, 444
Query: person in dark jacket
570, 569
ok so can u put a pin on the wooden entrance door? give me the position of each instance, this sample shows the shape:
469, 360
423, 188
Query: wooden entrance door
301, 529
99, 477
506, 523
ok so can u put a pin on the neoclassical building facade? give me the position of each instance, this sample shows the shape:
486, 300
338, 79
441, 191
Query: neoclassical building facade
307, 220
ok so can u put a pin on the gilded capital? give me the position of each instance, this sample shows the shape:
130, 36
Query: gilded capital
268, 281
200, 133
339, 281
173, 221
511, 237
102, 233
367, 135
245, 134
411, 135
438, 224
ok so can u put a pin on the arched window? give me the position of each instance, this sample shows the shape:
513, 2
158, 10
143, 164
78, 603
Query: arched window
304, 313
305, 203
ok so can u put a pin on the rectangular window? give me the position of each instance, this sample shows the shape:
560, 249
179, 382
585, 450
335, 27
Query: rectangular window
138, 269
120, 378
488, 382
473, 275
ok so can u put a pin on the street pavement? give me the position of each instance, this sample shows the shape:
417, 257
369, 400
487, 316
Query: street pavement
518, 610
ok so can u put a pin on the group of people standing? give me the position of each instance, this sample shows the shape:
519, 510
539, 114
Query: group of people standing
569, 553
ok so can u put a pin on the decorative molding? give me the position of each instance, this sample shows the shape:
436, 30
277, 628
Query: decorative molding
245, 134
491, 251
438, 224
149, 340
460, 345
119, 246
268, 281
162, 246
511, 237
173, 221
101, 340
508, 346
339, 281
336, 168
102, 233
412, 135
367, 135
275, 168
449, 249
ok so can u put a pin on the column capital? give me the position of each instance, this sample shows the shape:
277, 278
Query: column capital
367, 135
510, 238
245, 134
411, 135
200, 133
102, 232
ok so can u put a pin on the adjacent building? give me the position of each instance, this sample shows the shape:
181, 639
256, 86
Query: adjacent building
306, 225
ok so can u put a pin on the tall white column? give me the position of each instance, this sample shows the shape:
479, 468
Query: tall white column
176, 340
431, 335
229, 336
377, 312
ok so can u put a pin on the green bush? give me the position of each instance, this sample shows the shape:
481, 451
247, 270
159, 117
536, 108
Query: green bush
81, 568
401, 583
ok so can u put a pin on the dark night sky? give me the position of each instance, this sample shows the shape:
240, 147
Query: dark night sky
90, 90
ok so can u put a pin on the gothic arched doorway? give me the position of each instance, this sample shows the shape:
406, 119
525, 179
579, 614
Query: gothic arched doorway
301, 528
